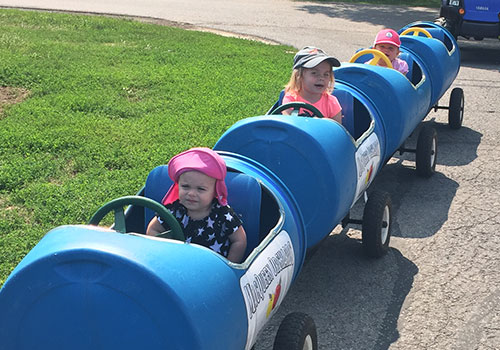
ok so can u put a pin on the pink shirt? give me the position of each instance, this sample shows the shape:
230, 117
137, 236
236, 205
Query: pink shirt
400, 65
328, 104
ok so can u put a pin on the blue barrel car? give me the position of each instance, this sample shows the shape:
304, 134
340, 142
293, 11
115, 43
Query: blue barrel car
291, 179
88, 287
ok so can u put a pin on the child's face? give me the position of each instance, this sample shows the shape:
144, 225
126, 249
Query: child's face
391, 51
196, 192
315, 80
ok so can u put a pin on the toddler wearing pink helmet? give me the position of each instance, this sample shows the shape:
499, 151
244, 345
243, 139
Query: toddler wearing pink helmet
198, 200
387, 41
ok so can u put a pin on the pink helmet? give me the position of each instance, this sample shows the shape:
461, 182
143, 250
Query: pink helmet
201, 159
387, 36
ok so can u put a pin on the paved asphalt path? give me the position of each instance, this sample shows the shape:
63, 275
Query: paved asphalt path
439, 286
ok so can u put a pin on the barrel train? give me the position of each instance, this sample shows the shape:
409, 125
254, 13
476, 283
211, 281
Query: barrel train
291, 179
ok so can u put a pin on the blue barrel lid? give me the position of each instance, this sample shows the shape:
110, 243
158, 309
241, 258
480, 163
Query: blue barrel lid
440, 56
83, 287
313, 157
397, 105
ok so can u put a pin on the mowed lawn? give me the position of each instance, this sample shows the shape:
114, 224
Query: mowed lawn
91, 104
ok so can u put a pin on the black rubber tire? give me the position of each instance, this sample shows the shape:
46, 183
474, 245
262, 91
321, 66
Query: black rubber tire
297, 331
456, 109
426, 153
377, 224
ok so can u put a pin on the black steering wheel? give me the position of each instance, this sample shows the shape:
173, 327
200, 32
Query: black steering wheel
296, 108
117, 206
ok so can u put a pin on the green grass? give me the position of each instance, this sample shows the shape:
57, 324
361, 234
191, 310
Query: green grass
109, 99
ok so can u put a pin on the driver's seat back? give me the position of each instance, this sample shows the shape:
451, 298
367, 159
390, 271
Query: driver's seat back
405, 56
277, 103
244, 196
347, 103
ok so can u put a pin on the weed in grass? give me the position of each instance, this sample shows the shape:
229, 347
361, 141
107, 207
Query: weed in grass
11, 95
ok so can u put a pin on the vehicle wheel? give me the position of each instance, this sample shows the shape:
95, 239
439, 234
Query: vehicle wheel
426, 153
377, 224
456, 108
296, 332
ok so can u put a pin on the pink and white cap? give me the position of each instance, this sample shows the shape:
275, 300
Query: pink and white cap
201, 159
387, 36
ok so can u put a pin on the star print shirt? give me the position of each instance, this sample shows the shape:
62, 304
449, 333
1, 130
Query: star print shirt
213, 231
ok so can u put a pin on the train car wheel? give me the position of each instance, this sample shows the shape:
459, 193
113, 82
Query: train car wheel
456, 108
426, 153
377, 224
297, 331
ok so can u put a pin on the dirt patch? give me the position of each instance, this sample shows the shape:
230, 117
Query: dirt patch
11, 95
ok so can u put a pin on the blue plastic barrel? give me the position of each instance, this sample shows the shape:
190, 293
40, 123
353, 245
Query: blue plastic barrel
397, 105
314, 158
86, 288
439, 55
292, 219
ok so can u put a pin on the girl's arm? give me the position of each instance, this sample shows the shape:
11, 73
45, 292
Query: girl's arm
286, 99
338, 117
238, 245
154, 227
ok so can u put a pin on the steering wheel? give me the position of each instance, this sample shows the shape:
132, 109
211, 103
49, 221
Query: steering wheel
296, 108
415, 31
117, 206
377, 55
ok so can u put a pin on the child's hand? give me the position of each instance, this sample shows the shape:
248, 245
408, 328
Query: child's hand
154, 227
338, 118
381, 63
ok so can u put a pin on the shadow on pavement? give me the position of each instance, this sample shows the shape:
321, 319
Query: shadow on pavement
483, 54
388, 16
355, 301
427, 200
457, 147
